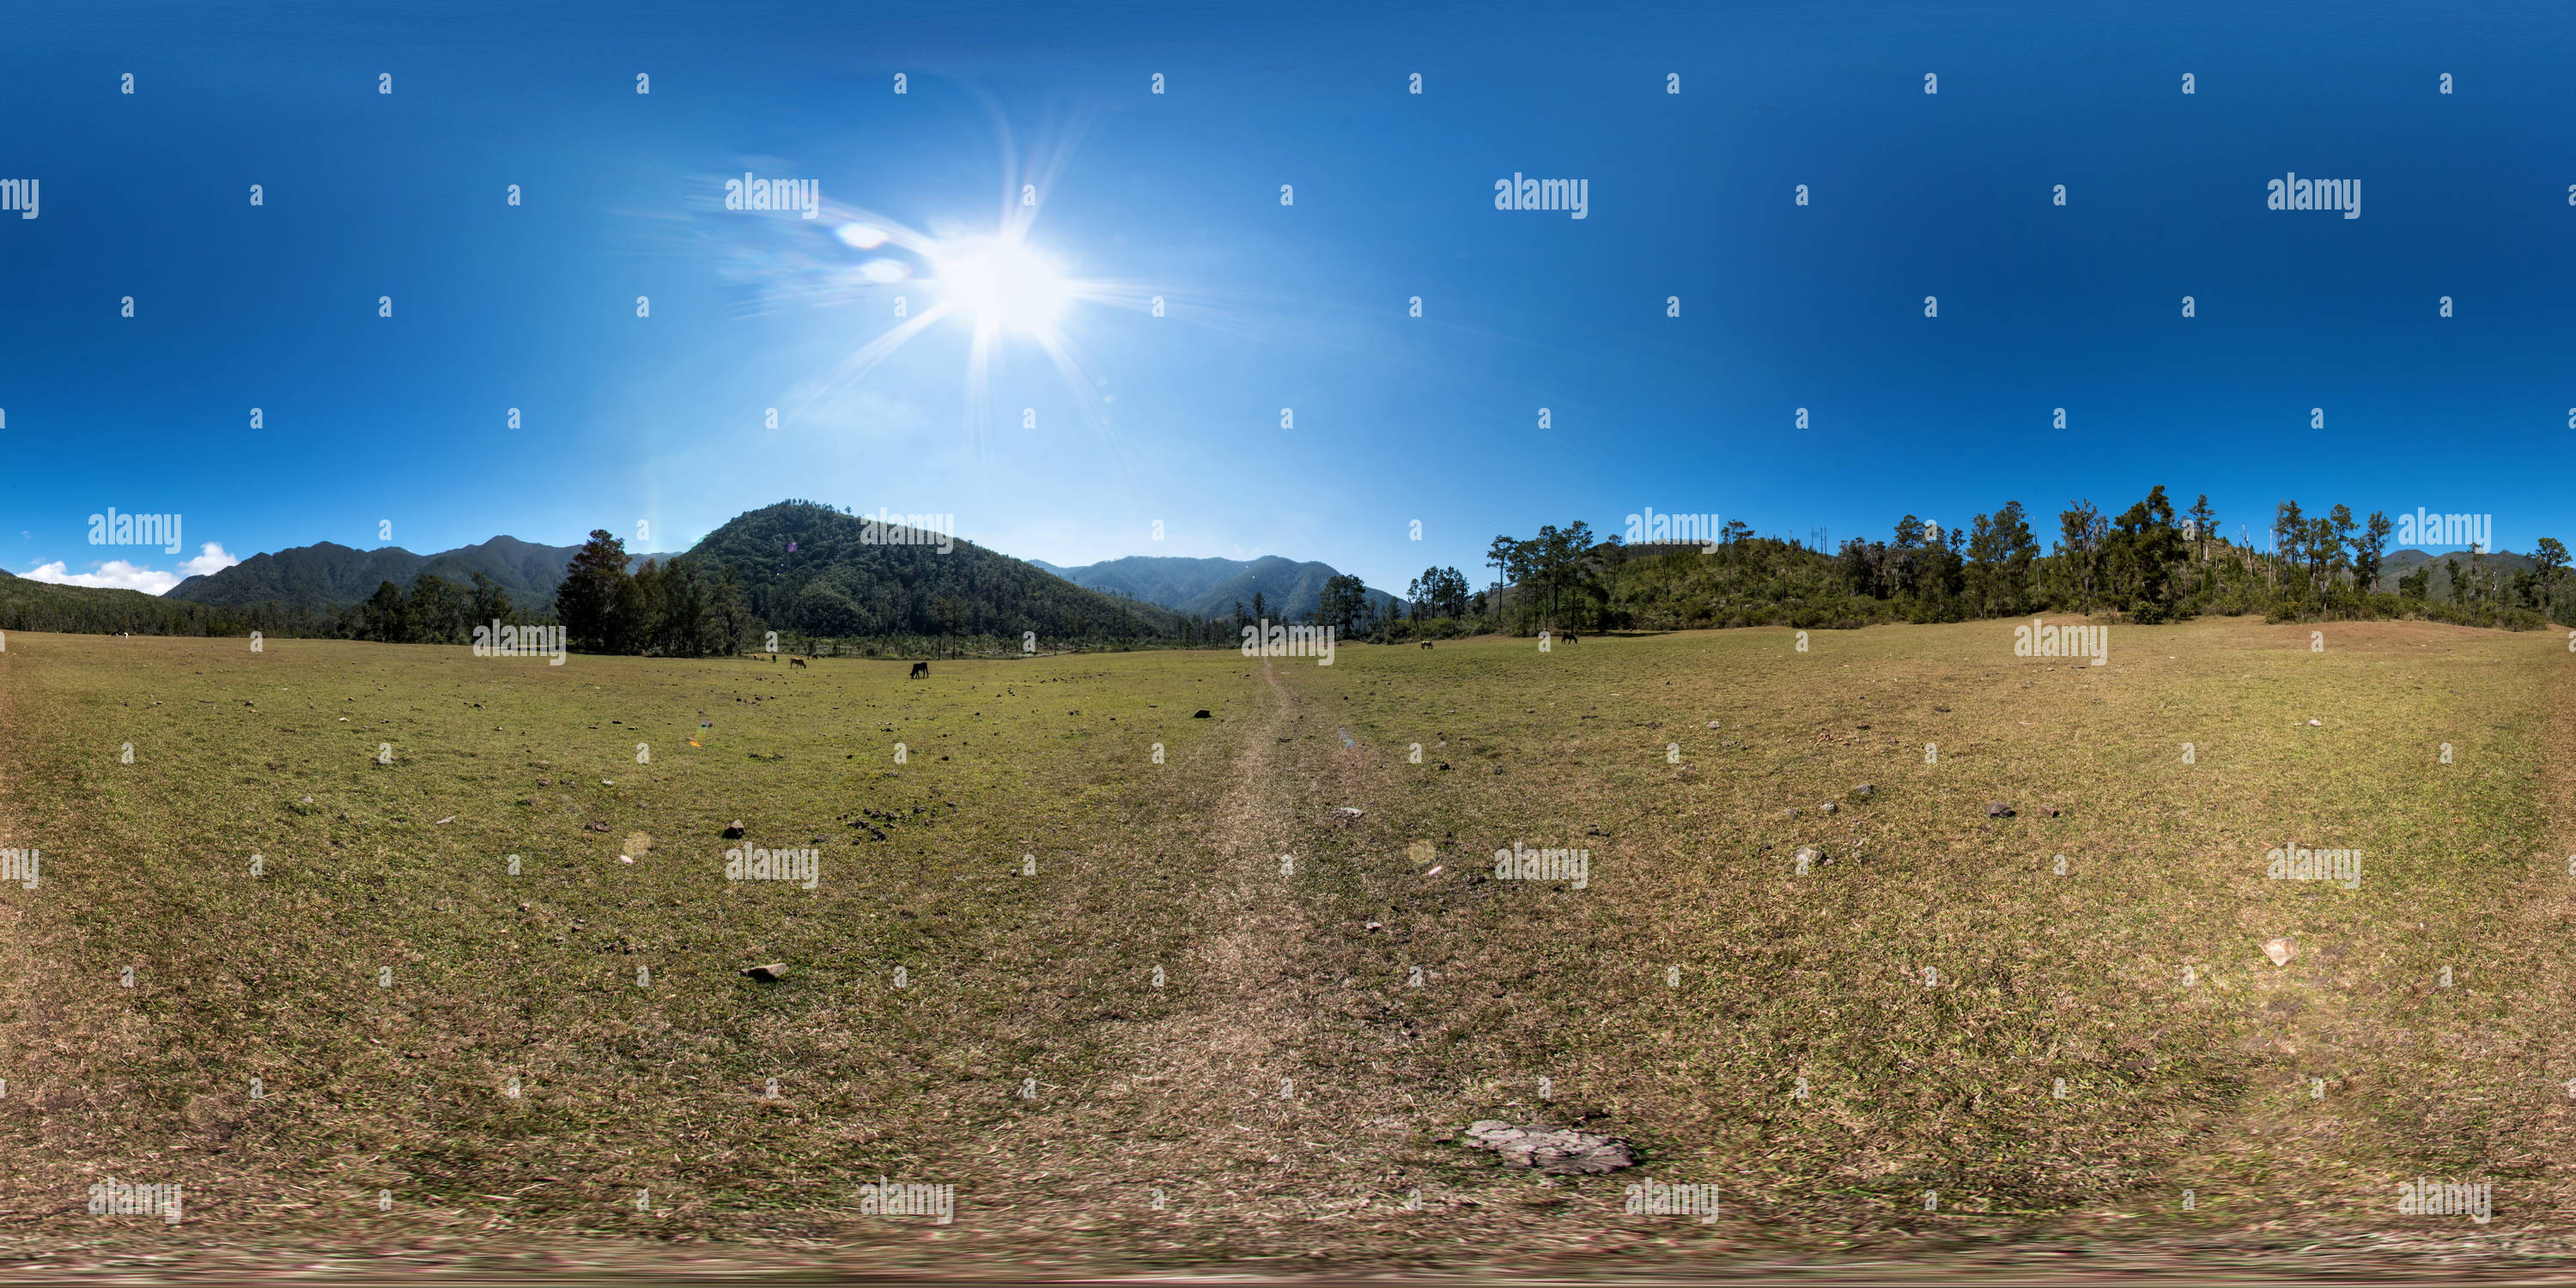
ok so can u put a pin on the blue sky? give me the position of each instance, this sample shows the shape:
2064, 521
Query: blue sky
661, 420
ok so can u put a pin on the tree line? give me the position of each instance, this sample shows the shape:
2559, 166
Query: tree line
2146, 563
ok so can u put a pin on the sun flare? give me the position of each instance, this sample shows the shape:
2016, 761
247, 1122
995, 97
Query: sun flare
1000, 284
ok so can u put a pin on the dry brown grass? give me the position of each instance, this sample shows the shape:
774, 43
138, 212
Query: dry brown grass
1268, 978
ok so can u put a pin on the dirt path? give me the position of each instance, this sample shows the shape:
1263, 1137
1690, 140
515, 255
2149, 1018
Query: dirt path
1211, 1105
1206, 1087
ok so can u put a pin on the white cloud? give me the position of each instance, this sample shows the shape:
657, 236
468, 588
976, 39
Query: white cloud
118, 574
211, 558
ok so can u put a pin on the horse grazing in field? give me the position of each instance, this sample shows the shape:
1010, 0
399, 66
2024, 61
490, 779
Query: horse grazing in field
1426, 643
919, 670
796, 661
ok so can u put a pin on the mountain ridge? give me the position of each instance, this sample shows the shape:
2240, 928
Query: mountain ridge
1211, 587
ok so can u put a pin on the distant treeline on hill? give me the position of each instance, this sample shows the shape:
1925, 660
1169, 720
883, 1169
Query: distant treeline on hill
2146, 564
827, 582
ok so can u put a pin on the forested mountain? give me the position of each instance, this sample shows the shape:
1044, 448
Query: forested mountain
839, 583
329, 576
1215, 587
28, 605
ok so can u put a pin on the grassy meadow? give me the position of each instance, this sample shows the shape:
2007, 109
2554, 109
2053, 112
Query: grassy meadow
1225, 1019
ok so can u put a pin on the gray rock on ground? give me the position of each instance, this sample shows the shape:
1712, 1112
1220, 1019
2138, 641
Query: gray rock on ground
1558, 1151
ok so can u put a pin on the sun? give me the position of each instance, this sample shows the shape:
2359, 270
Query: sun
1001, 283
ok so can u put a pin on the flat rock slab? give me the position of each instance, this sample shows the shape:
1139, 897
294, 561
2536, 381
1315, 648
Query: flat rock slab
1560, 1151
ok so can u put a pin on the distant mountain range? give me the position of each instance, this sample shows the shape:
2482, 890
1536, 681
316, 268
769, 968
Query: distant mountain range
326, 576
1212, 587
832, 583
2438, 589
811, 568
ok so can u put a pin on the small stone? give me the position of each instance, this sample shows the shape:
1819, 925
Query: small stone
2049, 810
734, 833
1558, 1151
767, 973
1865, 790
1830, 807
1810, 855
1793, 813
1712, 724
1200, 714
2280, 951
1997, 809
2319, 723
